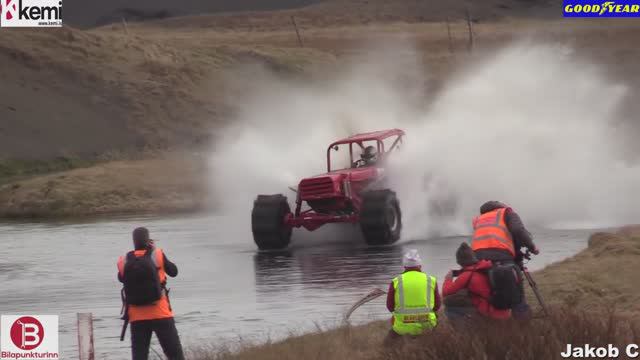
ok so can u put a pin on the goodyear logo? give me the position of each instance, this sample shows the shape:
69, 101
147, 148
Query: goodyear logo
599, 8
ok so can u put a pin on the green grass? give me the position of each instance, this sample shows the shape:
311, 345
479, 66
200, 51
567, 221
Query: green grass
13, 169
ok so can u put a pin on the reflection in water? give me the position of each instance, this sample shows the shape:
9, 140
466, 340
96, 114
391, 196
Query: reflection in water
327, 278
318, 283
326, 268
272, 268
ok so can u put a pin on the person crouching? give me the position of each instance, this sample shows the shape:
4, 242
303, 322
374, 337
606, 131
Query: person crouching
467, 296
413, 298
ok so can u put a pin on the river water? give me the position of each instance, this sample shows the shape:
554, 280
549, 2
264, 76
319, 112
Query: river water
226, 292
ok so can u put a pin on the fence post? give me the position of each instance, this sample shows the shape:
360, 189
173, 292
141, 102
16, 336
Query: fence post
295, 26
470, 45
125, 27
449, 35
85, 336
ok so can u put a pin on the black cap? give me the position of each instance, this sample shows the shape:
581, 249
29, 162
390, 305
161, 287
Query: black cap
491, 205
465, 255
140, 237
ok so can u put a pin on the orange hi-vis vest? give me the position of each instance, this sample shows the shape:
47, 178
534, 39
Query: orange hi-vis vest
161, 309
490, 232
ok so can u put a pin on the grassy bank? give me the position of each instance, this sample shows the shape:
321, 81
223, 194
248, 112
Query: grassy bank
592, 296
167, 184
12, 170
540, 339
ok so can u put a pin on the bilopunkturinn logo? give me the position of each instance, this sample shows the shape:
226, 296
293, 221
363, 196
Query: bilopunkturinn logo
29, 337
31, 13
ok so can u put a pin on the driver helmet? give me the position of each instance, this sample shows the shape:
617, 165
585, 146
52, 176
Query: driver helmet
369, 153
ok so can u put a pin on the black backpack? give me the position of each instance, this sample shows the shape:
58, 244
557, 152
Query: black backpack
504, 281
141, 281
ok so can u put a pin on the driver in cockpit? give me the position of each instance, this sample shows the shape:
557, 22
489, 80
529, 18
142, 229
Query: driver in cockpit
368, 157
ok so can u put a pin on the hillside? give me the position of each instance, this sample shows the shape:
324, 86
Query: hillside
156, 85
135, 91
90, 13
110, 92
337, 13
74, 98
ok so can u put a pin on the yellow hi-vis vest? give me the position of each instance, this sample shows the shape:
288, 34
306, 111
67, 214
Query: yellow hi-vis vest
415, 296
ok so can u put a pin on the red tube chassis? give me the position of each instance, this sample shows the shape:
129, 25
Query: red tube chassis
334, 197
311, 220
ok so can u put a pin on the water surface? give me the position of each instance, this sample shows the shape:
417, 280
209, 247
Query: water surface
225, 290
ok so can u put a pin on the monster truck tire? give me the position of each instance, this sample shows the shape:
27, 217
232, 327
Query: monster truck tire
267, 222
380, 218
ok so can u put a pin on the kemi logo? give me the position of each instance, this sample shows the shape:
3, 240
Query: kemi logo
31, 13
599, 8
29, 336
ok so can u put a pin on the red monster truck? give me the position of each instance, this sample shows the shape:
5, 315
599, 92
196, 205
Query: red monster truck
354, 191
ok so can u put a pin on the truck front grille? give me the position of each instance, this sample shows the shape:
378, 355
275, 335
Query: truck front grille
316, 187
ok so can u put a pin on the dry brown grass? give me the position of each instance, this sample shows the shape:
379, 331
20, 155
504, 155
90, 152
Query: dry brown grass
167, 184
125, 90
538, 339
331, 13
604, 275
593, 297
113, 92
606, 42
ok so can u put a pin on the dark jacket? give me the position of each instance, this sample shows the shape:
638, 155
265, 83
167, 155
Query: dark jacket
521, 236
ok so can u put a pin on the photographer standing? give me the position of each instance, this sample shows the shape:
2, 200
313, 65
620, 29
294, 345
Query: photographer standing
143, 273
498, 235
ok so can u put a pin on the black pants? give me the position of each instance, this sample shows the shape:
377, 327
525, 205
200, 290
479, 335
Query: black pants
460, 316
166, 332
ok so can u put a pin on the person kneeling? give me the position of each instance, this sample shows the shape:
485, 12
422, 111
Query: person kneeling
413, 298
469, 294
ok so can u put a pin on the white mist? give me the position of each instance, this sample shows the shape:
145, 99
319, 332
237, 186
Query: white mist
531, 126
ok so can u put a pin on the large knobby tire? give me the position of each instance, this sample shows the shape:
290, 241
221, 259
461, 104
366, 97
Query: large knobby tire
380, 218
267, 222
